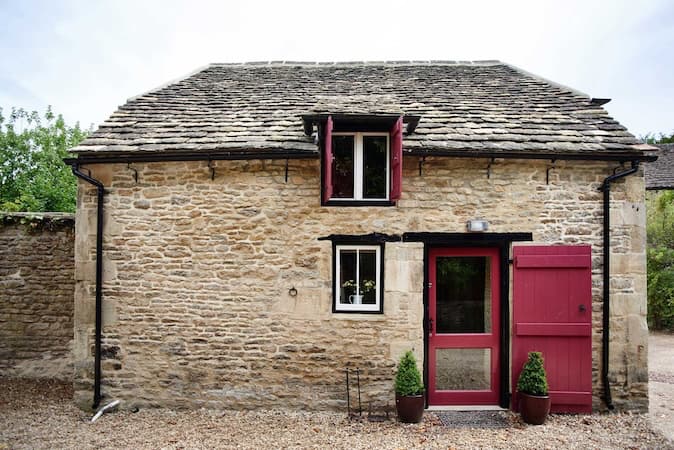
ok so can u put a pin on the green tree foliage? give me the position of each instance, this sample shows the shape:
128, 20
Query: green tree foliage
408, 378
661, 138
660, 260
533, 379
33, 176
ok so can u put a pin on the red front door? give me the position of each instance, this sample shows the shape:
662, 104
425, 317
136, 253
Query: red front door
463, 340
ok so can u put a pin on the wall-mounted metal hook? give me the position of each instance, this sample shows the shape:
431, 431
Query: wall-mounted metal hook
212, 167
135, 172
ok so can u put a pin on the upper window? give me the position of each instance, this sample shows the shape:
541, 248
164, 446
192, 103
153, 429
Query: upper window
361, 166
358, 278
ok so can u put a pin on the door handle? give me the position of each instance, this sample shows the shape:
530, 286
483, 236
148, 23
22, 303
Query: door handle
581, 308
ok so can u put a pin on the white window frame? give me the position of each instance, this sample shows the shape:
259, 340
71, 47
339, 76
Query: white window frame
358, 166
348, 307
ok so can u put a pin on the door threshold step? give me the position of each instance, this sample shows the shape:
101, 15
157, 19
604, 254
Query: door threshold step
466, 408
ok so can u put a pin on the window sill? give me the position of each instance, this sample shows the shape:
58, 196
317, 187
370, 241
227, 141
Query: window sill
359, 203
348, 314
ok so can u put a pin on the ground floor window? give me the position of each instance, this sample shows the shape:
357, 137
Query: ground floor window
358, 286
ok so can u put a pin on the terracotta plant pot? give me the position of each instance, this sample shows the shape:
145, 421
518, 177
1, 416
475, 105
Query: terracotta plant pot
410, 408
534, 408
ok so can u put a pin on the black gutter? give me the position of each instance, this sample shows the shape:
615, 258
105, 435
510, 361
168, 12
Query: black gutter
606, 188
625, 157
126, 158
99, 279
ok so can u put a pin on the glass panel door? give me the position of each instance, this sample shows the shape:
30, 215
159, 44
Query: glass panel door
463, 292
463, 336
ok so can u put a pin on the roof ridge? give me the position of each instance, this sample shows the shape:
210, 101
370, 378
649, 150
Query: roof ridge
272, 63
429, 62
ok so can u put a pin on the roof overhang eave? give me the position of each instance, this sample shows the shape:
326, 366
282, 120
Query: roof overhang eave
101, 157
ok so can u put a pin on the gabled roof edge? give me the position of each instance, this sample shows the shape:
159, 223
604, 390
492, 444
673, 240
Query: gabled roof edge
550, 82
170, 82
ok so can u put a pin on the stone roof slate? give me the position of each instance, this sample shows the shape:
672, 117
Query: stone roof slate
486, 107
660, 174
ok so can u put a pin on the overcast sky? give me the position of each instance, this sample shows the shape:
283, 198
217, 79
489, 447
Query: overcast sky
86, 57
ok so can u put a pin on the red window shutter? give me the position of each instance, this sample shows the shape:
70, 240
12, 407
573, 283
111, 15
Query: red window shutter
552, 313
397, 159
327, 162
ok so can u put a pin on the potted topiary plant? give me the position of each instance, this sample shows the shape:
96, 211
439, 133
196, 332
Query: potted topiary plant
409, 390
532, 386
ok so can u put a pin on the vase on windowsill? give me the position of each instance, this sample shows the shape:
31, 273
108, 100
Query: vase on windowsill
356, 299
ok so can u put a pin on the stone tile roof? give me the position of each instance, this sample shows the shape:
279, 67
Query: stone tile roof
487, 106
660, 174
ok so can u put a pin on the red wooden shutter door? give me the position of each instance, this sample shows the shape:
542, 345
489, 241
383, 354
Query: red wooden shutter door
552, 314
327, 160
397, 159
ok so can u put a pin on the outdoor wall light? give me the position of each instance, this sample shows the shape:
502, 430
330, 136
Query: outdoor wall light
292, 292
477, 225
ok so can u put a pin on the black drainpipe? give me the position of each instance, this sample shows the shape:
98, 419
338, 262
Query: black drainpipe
606, 187
99, 279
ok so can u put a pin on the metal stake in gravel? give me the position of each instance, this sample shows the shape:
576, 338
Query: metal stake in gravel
348, 393
360, 409
348, 397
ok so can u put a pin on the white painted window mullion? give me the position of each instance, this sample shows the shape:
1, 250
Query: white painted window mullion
358, 167
357, 272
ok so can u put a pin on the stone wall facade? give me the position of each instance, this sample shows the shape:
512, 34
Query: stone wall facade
36, 295
197, 273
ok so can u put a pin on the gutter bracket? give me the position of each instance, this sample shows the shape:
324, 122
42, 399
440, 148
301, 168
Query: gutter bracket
489, 168
422, 160
135, 171
547, 171
212, 167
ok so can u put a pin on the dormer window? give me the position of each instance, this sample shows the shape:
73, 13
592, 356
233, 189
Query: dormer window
362, 163
360, 166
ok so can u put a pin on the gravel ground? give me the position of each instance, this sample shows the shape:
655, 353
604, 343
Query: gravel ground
41, 415
661, 382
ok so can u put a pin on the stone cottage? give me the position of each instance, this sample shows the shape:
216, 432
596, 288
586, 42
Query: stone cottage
247, 234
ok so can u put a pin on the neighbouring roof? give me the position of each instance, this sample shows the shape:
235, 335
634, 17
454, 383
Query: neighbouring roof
481, 107
660, 174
